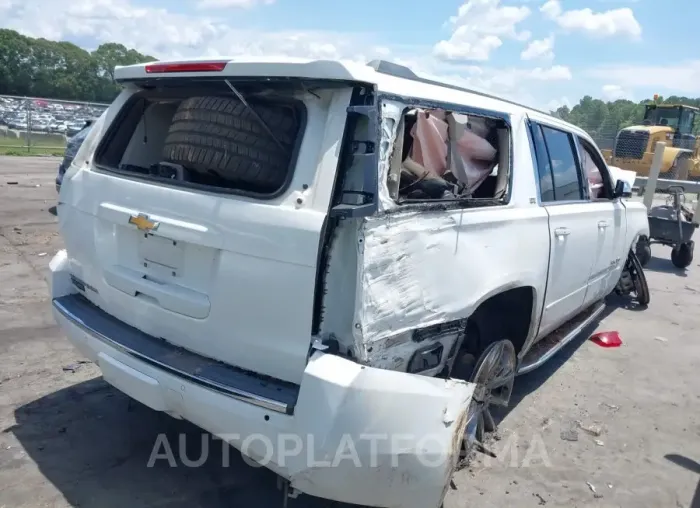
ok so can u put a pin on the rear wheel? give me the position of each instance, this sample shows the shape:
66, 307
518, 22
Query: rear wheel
494, 376
643, 250
671, 174
682, 255
674, 172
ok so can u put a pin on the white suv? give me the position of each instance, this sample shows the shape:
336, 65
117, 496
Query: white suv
337, 268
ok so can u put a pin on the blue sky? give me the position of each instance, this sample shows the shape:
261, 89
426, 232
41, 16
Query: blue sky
542, 52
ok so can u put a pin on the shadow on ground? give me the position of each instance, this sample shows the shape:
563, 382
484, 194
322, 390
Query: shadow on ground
661, 265
530, 382
693, 467
94, 444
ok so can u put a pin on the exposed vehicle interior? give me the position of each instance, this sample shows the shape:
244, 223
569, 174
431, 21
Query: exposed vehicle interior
441, 155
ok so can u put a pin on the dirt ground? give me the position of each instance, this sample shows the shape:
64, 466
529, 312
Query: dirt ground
594, 427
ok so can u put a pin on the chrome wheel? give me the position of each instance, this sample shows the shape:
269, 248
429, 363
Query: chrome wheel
494, 376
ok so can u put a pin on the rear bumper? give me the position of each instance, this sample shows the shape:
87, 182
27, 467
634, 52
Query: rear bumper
353, 434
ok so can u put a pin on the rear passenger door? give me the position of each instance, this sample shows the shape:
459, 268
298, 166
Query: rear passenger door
572, 224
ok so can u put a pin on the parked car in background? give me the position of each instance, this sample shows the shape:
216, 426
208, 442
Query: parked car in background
71, 149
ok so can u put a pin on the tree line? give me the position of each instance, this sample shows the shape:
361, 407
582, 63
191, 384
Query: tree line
602, 120
62, 70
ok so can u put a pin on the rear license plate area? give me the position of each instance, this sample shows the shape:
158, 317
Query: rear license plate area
161, 254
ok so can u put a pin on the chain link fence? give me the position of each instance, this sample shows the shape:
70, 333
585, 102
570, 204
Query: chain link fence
603, 121
37, 126
603, 133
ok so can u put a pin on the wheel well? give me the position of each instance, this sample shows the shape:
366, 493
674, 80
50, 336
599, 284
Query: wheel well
508, 313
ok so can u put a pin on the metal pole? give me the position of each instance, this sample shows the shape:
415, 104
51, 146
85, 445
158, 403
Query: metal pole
29, 125
654, 174
696, 215
684, 168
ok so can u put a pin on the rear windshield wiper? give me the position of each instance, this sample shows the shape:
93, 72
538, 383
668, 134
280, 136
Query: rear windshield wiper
255, 114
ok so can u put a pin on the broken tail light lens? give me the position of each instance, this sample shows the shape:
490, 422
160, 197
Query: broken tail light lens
607, 339
164, 68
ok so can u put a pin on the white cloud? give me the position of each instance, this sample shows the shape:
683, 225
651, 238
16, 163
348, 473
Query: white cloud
599, 24
131, 22
165, 33
614, 92
555, 73
678, 78
479, 28
511, 83
540, 48
218, 4
551, 9
555, 104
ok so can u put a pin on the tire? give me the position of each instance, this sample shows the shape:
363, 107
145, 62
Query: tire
221, 142
674, 172
671, 174
682, 255
643, 250
641, 287
494, 375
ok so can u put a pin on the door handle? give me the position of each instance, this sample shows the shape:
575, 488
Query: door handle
603, 224
562, 231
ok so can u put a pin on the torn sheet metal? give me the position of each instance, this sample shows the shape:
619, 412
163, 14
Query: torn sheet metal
420, 268
391, 115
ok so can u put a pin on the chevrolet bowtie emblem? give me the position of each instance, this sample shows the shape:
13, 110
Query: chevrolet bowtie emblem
143, 223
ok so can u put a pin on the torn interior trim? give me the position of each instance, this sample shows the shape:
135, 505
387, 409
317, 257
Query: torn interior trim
340, 287
392, 113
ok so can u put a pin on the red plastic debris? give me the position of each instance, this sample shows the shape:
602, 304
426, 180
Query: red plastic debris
607, 339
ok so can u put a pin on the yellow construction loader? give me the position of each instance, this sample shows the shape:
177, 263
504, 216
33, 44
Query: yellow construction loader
669, 123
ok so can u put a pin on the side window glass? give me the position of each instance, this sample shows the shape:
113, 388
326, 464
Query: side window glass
544, 168
595, 173
565, 172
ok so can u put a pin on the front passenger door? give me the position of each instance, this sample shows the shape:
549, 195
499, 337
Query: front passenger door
611, 221
572, 225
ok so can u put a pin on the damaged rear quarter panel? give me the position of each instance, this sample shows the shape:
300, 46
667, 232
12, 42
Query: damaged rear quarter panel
420, 268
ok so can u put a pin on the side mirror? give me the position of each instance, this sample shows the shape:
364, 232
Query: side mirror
622, 189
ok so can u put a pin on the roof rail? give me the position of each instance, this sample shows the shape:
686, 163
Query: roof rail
401, 71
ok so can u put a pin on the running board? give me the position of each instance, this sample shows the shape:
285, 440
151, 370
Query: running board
552, 343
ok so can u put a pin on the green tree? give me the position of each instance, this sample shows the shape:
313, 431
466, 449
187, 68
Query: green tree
108, 56
602, 120
61, 70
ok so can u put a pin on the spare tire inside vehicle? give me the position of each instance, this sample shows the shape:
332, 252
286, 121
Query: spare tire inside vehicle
219, 141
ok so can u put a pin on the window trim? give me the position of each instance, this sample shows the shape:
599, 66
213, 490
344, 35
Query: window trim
531, 125
411, 102
577, 161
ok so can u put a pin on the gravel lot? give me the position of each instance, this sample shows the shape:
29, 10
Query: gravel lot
69, 439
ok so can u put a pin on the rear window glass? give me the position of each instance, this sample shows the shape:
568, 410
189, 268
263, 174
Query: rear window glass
207, 137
